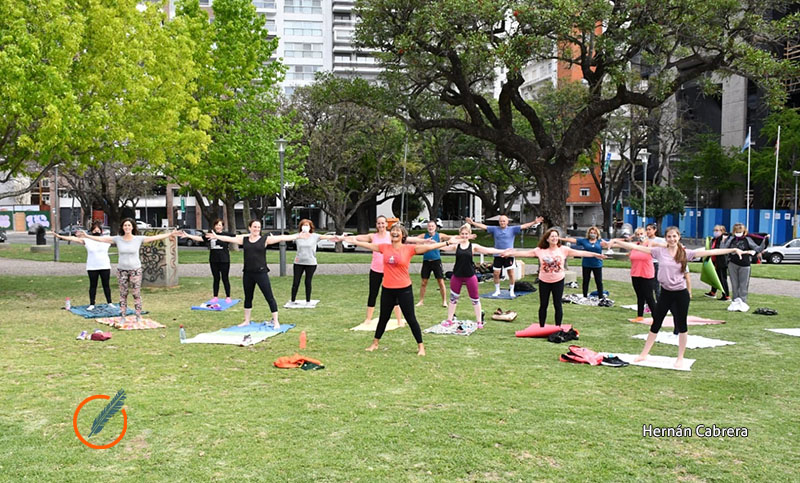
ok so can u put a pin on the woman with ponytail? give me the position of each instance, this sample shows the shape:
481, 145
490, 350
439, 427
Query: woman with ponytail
673, 260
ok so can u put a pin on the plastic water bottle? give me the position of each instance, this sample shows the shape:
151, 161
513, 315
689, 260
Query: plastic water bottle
67, 304
183, 334
303, 339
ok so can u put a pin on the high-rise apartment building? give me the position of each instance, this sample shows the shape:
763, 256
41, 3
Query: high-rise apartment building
315, 36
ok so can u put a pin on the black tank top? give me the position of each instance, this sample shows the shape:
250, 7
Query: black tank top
464, 267
255, 255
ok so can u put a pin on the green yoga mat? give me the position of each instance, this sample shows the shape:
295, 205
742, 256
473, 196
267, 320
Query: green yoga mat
708, 274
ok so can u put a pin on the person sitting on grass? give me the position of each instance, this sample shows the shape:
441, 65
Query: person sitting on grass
673, 260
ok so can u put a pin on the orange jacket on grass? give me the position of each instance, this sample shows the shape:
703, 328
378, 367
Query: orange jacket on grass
292, 362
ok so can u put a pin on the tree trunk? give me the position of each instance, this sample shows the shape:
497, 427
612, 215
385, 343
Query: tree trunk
338, 222
553, 184
247, 215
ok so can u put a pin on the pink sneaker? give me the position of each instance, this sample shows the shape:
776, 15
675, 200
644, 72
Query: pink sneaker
480, 325
646, 309
447, 323
228, 300
214, 300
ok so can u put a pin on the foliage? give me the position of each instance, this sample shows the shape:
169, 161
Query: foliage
238, 89
763, 159
623, 53
91, 81
661, 201
720, 169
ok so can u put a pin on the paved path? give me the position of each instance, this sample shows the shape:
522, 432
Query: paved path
29, 267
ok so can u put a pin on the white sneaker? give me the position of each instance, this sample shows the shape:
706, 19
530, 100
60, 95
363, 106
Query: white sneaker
496, 293
112, 306
91, 307
743, 307
511, 294
734, 306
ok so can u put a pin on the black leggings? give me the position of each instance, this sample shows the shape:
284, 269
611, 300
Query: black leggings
545, 289
220, 270
598, 280
250, 280
644, 293
722, 273
404, 297
103, 275
675, 301
298, 270
375, 280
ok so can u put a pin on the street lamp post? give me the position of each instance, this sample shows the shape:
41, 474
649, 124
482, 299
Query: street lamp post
281, 151
794, 218
644, 197
696, 205
56, 216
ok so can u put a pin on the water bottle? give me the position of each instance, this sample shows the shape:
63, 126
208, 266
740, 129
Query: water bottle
183, 334
67, 304
303, 339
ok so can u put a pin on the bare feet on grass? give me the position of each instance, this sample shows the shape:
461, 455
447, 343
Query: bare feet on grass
640, 358
421, 351
679, 363
372, 347
419, 304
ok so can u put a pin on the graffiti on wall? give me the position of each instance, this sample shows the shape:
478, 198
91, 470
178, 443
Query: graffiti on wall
159, 260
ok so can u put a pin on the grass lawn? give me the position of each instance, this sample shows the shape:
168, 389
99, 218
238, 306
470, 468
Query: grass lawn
481, 408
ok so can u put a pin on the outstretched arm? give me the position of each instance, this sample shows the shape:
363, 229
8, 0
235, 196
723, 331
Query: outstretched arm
511, 252
568, 239
160, 236
586, 254
239, 239
67, 238
355, 241
103, 239
191, 237
279, 238
630, 246
367, 237
486, 250
538, 221
723, 251
475, 223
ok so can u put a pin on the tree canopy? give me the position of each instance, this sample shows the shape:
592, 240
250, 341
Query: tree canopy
610, 54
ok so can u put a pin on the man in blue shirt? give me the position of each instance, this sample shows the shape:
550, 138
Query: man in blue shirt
504, 236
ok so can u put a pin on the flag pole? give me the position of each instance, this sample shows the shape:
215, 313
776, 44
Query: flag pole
747, 194
775, 189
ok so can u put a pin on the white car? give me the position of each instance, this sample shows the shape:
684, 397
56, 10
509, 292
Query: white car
422, 224
331, 245
140, 224
788, 251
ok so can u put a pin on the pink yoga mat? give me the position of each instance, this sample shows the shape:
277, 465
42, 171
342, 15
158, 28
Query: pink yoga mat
690, 320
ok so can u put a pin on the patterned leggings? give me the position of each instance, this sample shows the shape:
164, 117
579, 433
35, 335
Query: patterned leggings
130, 279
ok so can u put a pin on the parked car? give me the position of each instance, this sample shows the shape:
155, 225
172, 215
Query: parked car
140, 224
191, 243
70, 230
3, 236
290, 245
788, 251
331, 245
422, 224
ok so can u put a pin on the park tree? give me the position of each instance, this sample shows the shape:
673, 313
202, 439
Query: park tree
238, 90
453, 50
661, 201
763, 159
354, 153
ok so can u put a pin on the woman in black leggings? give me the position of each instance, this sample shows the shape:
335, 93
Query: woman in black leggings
219, 258
98, 265
552, 270
397, 290
255, 266
674, 297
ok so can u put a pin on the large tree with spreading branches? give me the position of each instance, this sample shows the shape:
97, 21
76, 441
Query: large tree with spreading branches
621, 53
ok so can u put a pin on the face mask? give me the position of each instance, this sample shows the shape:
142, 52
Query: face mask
592, 236
305, 228
717, 233
96, 233
739, 233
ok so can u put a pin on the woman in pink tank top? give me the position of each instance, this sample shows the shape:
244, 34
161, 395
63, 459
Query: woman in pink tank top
380, 237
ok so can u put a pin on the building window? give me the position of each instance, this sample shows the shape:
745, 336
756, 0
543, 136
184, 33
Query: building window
302, 29
302, 72
265, 4
341, 58
585, 192
297, 49
344, 35
302, 6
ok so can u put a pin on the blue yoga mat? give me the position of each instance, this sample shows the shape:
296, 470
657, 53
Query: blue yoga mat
504, 295
216, 307
594, 294
258, 327
100, 311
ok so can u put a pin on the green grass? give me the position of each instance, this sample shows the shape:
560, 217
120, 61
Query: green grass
484, 407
